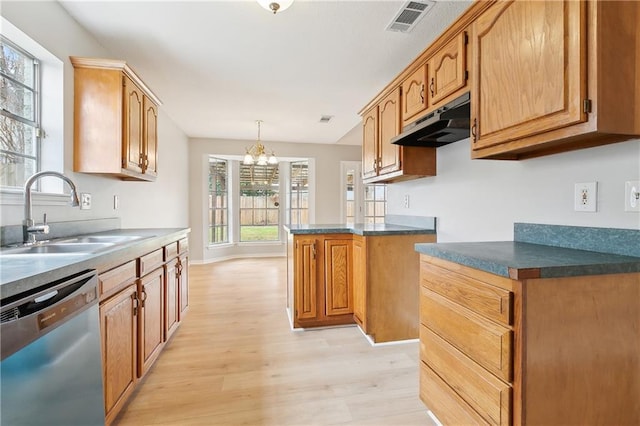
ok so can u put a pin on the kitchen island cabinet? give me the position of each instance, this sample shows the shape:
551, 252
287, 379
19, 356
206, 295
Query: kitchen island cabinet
359, 274
524, 333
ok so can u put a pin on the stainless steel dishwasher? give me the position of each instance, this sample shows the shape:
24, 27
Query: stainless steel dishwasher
51, 367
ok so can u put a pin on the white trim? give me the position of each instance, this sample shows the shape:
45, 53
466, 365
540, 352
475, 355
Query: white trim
10, 197
236, 256
394, 342
434, 418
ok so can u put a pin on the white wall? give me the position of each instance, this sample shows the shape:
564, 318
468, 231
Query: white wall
163, 203
480, 200
327, 160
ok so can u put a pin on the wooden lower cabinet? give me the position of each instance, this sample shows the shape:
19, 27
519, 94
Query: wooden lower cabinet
118, 328
183, 284
322, 276
172, 291
531, 351
151, 319
386, 289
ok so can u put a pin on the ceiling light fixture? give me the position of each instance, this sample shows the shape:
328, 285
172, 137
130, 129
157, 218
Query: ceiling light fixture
275, 6
257, 154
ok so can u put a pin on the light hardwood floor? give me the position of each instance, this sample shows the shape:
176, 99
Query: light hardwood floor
235, 361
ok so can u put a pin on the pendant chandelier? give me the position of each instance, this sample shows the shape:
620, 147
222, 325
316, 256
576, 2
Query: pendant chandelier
275, 5
257, 153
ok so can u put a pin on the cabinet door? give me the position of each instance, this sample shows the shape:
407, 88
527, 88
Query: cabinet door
151, 319
370, 143
389, 157
150, 138
338, 276
118, 329
448, 70
132, 147
529, 65
414, 96
306, 279
183, 296
171, 297
360, 282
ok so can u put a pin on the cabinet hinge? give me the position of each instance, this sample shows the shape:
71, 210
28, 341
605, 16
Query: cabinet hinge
39, 132
586, 105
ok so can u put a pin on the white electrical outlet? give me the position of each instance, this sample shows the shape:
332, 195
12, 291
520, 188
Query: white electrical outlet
632, 196
585, 197
85, 201
406, 201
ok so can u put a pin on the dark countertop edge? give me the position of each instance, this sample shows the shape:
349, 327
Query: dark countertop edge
361, 232
530, 272
105, 260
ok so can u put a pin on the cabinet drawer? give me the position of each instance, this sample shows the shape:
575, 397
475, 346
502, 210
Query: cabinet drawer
444, 402
489, 396
485, 299
170, 251
149, 262
183, 245
112, 281
487, 343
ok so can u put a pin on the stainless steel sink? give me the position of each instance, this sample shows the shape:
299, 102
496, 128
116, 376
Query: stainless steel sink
111, 239
59, 248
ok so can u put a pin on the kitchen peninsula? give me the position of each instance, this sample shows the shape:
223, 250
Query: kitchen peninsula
365, 274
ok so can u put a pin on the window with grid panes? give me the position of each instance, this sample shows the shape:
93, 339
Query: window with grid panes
218, 201
299, 193
375, 203
19, 115
259, 203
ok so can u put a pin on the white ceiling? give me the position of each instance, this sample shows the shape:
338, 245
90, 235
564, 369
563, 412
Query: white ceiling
218, 66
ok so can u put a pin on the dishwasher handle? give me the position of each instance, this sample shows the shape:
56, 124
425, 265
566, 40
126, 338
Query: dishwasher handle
24, 320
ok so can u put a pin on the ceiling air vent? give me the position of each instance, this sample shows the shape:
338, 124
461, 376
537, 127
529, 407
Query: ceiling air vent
326, 118
409, 15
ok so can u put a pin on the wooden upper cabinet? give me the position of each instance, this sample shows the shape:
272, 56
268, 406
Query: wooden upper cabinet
115, 121
448, 71
414, 95
132, 145
553, 76
370, 143
150, 137
389, 110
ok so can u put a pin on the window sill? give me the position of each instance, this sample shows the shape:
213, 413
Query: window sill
9, 197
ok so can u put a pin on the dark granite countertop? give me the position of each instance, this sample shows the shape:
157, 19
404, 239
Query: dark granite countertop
358, 229
521, 260
23, 273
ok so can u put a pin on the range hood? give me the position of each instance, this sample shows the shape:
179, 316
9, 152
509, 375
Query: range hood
447, 124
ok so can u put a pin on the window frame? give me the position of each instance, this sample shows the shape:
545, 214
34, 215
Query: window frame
374, 218
298, 211
36, 123
266, 210
224, 208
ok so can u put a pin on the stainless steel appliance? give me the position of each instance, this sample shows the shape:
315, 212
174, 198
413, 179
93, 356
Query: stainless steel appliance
51, 367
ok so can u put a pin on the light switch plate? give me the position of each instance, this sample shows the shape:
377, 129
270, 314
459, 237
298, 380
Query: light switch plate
585, 197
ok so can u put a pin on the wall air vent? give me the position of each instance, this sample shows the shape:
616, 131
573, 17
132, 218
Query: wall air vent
326, 118
409, 15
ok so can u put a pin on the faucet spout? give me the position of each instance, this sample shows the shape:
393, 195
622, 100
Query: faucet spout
28, 228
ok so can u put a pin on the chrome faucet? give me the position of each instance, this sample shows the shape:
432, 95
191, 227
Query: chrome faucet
29, 228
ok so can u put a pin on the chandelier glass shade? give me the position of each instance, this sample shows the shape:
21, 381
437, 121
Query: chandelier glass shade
257, 153
275, 5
